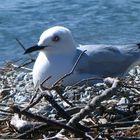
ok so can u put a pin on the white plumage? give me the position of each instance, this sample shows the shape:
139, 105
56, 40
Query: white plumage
59, 51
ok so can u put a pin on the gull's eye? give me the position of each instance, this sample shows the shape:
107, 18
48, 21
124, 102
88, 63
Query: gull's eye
56, 38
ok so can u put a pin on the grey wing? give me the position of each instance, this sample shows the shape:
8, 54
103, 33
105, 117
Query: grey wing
102, 60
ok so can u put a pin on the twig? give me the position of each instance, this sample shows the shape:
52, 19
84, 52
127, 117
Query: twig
5, 114
27, 63
62, 97
21, 44
33, 103
133, 87
60, 110
24, 48
136, 91
32, 99
71, 72
96, 101
7, 97
30, 56
6, 111
129, 104
86, 80
117, 124
125, 138
15, 109
21, 67
50, 99
4, 120
55, 87
33, 130
42, 84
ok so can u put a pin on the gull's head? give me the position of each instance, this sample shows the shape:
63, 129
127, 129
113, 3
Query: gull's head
54, 40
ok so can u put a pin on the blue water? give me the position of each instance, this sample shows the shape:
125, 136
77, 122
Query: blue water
91, 22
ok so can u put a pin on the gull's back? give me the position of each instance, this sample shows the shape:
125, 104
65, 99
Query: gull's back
108, 60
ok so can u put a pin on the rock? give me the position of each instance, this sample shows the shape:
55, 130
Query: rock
102, 121
4, 92
123, 100
132, 72
20, 76
27, 77
65, 105
109, 81
20, 124
112, 101
20, 98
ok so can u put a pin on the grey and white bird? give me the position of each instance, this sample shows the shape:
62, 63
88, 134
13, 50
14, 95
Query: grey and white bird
58, 52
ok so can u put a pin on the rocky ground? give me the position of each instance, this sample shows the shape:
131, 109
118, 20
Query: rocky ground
115, 118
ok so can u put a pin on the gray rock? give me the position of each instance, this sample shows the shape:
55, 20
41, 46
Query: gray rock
5, 92
28, 77
20, 76
123, 100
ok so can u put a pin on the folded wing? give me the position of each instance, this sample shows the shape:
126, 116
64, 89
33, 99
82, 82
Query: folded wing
106, 60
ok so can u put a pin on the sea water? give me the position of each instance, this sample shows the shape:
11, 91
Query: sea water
91, 22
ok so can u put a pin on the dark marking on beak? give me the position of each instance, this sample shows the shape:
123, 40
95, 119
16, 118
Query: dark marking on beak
34, 48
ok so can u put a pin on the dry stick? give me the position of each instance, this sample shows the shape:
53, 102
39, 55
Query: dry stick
6, 111
30, 56
7, 97
125, 138
117, 124
127, 86
50, 99
62, 97
129, 104
31, 131
88, 79
27, 63
60, 110
96, 101
55, 87
71, 72
42, 87
126, 114
33, 103
22, 67
23, 47
15, 109
33, 97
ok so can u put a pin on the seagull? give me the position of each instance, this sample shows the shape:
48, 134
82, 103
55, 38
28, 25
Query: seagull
58, 53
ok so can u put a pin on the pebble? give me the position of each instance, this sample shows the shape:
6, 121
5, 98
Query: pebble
20, 76
132, 72
102, 121
138, 71
4, 92
123, 100
28, 77
23, 90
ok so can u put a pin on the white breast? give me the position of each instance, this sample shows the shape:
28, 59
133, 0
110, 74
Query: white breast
54, 66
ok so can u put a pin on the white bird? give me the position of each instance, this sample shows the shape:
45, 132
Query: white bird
58, 52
